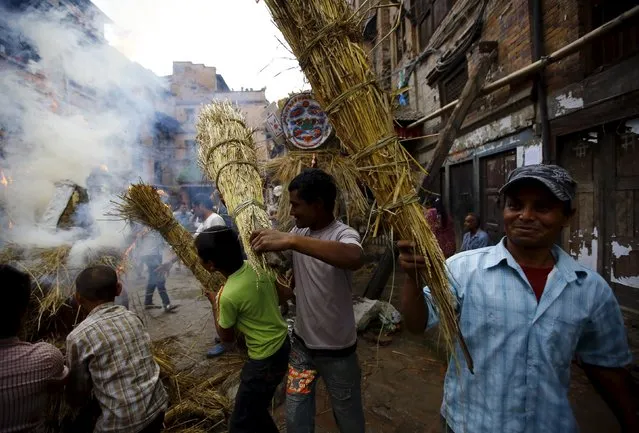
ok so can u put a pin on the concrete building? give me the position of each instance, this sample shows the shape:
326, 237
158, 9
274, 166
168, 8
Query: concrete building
581, 111
192, 86
66, 96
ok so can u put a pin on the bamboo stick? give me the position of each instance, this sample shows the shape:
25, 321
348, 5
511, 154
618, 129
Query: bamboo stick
539, 64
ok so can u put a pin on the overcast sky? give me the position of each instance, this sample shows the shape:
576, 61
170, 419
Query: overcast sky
238, 37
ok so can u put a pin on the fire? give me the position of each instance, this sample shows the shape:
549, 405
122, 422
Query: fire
3, 179
104, 168
10, 224
130, 248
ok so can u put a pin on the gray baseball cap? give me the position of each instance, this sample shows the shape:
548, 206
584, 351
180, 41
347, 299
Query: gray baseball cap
555, 178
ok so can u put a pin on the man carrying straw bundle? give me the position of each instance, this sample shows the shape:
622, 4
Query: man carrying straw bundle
249, 303
324, 343
527, 309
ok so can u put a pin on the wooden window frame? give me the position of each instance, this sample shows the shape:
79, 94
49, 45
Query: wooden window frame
587, 23
424, 13
444, 97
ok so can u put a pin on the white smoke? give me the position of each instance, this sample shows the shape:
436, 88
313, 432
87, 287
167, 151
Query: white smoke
89, 111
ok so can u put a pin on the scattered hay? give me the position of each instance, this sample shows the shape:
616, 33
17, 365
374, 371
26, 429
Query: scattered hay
11, 253
142, 204
336, 65
194, 404
227, 156
342, 168
52, 313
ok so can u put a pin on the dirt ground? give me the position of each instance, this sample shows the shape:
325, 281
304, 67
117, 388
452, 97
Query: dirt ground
402, 382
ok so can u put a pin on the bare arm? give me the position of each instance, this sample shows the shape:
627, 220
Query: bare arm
226, 335
413, 304
614, 386
338, 254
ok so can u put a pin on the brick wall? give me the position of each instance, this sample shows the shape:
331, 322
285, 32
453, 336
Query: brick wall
562, 26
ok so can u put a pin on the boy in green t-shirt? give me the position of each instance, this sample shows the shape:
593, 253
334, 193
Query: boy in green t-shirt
249, 303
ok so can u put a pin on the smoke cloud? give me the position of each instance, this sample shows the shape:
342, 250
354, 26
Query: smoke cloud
90, 110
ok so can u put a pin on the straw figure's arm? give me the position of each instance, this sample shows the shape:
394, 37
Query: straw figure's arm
335, 253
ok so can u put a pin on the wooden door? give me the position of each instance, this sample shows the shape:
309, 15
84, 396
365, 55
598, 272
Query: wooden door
622, 219
494, 172
577, 154
461, 195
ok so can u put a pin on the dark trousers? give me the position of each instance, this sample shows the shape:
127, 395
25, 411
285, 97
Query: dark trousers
156, 425
258, 381
156, 281
86, 418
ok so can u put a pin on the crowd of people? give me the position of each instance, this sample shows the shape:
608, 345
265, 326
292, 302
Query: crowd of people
526, 309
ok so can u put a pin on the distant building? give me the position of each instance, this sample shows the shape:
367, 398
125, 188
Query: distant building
61, 94
192, 86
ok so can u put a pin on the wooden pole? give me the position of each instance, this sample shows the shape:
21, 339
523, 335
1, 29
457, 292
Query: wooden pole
541, 63
468, 95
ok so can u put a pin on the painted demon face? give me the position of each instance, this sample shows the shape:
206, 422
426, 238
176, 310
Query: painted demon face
305, 122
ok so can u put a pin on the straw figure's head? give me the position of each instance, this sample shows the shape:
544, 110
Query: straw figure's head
312, 195
220, 250
96, 285
16, 290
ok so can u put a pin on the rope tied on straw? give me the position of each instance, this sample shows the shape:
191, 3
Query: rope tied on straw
235, 162
400, 202
238, 141
245, 205
343, 97
381, 143
339, 28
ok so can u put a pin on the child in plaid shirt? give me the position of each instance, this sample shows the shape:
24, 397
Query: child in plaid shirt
109, 353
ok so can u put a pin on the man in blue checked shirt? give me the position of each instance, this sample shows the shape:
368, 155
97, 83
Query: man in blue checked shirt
526, 310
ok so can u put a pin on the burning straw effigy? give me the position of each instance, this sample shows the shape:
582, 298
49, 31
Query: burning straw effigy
328, 48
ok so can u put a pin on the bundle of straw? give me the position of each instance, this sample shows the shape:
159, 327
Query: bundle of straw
194, 403
142, 203
227, 156
328, 49
343, 170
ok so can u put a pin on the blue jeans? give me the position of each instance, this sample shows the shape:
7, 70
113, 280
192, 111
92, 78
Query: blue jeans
156, 280
343, 378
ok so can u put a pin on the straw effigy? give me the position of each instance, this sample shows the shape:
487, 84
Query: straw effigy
324, 36
343, 170
142, 203
227, 156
